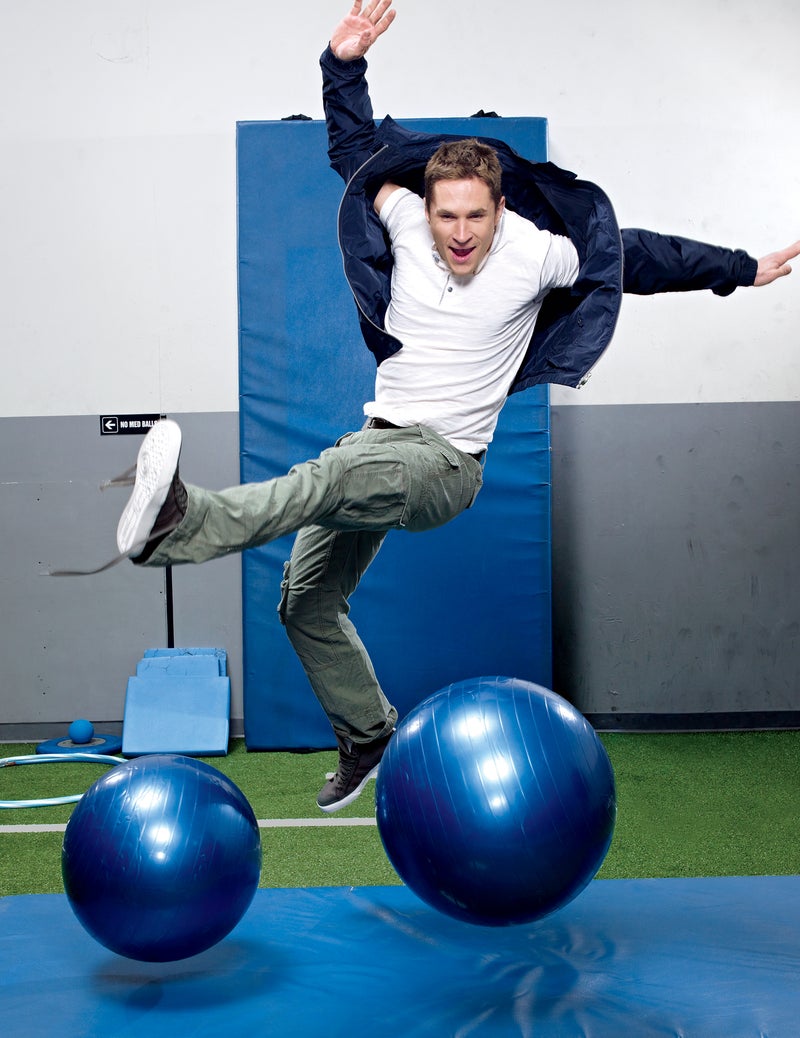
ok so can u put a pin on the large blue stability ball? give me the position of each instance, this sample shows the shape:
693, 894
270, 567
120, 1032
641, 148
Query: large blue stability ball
161, 858
496, 801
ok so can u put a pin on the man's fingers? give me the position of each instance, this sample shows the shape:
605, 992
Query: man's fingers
376, 9
791, 252
380, 15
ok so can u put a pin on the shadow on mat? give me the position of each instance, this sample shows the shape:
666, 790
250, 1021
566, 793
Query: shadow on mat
230, 972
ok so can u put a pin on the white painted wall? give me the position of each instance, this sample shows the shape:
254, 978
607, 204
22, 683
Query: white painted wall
117, 208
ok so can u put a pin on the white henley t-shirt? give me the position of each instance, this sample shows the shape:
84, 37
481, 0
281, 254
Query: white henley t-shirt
464, 336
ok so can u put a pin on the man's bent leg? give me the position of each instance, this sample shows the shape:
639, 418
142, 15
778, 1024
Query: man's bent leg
324, 570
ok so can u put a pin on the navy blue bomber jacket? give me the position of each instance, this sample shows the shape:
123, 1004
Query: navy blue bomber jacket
575, 325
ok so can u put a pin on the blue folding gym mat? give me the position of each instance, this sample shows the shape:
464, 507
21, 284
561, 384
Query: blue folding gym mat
179, 701
666, 958
468, 599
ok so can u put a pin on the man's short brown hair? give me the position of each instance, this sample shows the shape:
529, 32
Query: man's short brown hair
464, 160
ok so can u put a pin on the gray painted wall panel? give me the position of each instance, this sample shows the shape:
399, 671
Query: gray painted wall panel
69, 644
675, 564
676, 570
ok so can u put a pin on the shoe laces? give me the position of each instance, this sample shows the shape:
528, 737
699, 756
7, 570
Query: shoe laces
106, 565
348, 761
124, 479
176, 508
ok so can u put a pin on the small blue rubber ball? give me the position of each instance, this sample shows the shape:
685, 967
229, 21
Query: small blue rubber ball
81, 731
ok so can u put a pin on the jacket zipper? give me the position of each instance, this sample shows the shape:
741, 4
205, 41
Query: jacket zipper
362, 167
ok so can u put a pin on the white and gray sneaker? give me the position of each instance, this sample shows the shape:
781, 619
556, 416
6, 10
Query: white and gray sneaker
358, 763
158, 502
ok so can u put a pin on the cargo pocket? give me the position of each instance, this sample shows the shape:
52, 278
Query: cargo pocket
449, 486
477, 482
284, 594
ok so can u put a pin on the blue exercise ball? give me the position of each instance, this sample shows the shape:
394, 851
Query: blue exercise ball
161, 858
495, 801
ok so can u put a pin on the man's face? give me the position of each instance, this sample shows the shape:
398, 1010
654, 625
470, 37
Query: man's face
463, 218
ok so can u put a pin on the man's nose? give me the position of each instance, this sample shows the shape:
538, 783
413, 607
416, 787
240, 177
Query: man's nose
462, 231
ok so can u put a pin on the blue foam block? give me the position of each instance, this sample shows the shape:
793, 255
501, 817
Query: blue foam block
219, 654
181, 713
172, 666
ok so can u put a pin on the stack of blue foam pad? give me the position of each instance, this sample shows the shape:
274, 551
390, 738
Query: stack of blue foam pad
178, 702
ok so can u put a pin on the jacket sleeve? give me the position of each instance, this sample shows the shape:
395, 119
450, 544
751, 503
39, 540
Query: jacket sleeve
665, 263
348, 112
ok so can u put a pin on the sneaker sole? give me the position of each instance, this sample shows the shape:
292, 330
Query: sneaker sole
330, 809
155, 468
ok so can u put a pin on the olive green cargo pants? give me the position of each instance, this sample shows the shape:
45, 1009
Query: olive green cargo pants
343, 504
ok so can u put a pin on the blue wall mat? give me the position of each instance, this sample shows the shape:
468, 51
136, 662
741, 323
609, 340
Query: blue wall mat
471, 598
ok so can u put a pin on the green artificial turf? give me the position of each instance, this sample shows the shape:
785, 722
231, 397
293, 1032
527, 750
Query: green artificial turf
705, 805
688, 805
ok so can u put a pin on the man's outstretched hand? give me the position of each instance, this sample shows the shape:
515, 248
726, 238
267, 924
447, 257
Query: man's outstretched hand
776, 265
356, 33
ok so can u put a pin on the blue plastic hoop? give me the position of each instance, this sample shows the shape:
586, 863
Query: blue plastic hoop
55, 758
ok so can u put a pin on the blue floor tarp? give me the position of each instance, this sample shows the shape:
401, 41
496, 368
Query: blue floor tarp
699, 958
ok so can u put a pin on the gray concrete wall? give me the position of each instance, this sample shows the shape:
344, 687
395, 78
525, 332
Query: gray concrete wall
676, 574
69, 644
676, 580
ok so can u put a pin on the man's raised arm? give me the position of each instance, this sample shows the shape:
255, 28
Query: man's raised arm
666, 263
345, 95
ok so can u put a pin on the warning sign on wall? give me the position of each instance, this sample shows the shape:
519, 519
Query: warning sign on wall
128, 424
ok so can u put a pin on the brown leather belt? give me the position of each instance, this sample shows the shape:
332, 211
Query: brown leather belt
381, 423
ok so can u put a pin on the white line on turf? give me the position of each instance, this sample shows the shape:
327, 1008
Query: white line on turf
263, 823
299, 823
